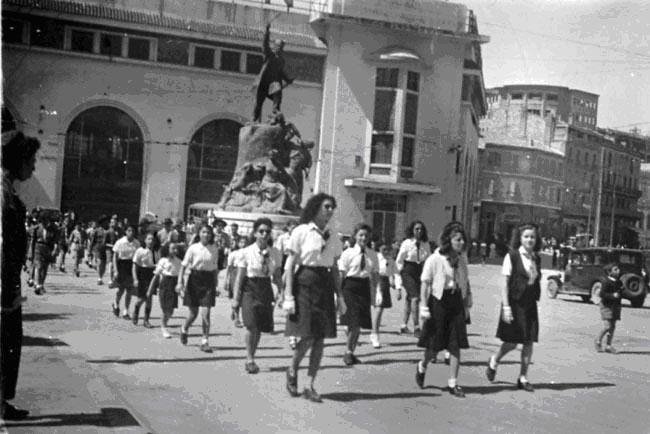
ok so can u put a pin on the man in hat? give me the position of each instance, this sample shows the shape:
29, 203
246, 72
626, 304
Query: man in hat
272, 77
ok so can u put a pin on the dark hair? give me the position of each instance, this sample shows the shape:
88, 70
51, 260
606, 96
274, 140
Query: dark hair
262, 221
608, 267
360, 227
132, 227
209, 228
448, 231
312, 207
409, 230
17, 149
515, 239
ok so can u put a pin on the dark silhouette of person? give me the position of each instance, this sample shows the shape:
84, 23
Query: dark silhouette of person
272, 77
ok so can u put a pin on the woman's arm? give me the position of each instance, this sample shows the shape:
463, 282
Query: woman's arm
237, 290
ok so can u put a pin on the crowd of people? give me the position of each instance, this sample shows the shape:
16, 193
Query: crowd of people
318, 279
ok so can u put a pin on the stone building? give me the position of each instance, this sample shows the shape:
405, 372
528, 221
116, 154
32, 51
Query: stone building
139, 104
644, 207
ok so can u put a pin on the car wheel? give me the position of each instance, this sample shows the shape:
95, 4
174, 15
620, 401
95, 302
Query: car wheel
552, 288
633, 286
638, 302
595, 292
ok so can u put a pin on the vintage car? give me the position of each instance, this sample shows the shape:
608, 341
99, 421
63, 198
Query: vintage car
584, 272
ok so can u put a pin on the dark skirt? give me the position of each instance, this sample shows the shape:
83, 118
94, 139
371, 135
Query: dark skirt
124, 276
167, 293
411, 274
145, 275
384, 287
315, 316
610, 312
257, 304
356, 293
42, 254
445, 329
524, 326
201, 289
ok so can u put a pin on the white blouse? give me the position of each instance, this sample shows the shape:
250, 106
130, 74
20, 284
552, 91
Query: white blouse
410, 252
125, 249
438, 271
167, 267
143, 257
254, 260
527, 260
309, 244
387, 265
350, 262
201, 258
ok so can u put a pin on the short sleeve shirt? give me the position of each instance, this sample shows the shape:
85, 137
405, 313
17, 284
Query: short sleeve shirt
529, 265
253, 260
201, 258
143, 257
125, 249
313, 247
350, 262
409, 251
233, 257
387, 266
167, 267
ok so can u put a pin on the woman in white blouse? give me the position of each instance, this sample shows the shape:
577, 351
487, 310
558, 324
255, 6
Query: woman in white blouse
166, 279
380, 297
312, 278
201, 259
446, 296
143, 268
258, 265
413, 251
123, 251
359, 268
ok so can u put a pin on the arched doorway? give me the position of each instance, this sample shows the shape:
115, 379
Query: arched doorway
211, 160
102, 169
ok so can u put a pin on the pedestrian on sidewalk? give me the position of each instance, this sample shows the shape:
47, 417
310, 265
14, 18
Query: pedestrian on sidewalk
518, 321
165, 280
312, 278
123, 252
143, 267
76, 242
18, 163
359, 267
62, 235
98, 247
445, 302
112, 235
380, 297
258, 266
231, 276
90, 235
44, 246
610, 305
202, 261
413, 251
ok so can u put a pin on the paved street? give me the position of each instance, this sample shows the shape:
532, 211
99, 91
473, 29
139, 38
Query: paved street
85, 371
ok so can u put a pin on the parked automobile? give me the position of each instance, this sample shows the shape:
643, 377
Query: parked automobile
584, 271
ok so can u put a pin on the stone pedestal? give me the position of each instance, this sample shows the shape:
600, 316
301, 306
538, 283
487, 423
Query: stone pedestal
245, 220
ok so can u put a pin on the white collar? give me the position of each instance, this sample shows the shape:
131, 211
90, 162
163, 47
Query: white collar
524, 252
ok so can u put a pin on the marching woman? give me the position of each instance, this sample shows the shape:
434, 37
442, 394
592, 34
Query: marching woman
75, 241
143, 267
413, 251
445, 300
518, 322
123, 251
231, 275
380, 297
258, 265
201, 259
358, 266
44, 245
311, 279
165, 280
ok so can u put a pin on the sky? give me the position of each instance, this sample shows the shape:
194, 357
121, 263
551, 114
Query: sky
599, 46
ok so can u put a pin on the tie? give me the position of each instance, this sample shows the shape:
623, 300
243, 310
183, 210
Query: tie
325, 235
417, 252
265, 262
362, 265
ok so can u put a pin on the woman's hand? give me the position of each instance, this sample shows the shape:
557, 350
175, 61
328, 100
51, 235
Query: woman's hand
399, 293
507, 314
135, 283
341, 307
379, 299
235, 305
425, 314
179, 288
289, 305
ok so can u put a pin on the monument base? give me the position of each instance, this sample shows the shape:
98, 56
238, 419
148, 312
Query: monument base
245, 220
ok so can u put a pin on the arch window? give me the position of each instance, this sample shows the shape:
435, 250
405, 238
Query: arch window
102, 168
212, 158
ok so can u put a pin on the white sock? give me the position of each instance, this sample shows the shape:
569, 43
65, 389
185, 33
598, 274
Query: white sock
493, 362
204, 341
523, 379
421, 368
451, 382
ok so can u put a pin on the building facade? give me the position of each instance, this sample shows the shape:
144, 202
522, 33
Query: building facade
644, 206
139, 104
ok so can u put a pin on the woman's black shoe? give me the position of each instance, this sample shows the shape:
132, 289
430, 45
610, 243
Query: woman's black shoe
116, 311
457, 391
525, 385
419, 376
292, 384
490, 373
183, 338
312, 395
13, 413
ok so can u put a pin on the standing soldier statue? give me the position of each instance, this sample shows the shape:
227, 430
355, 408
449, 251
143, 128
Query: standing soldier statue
272, 78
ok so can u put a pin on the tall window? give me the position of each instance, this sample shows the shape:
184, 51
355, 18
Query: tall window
395, 121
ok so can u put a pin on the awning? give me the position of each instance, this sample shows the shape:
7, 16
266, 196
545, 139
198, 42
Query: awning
399, 187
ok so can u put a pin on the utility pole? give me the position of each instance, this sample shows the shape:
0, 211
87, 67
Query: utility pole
599, 198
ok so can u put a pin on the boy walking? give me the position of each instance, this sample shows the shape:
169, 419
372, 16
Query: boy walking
610, 306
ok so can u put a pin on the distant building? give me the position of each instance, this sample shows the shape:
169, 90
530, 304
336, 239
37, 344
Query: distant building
644, 207
630, 140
